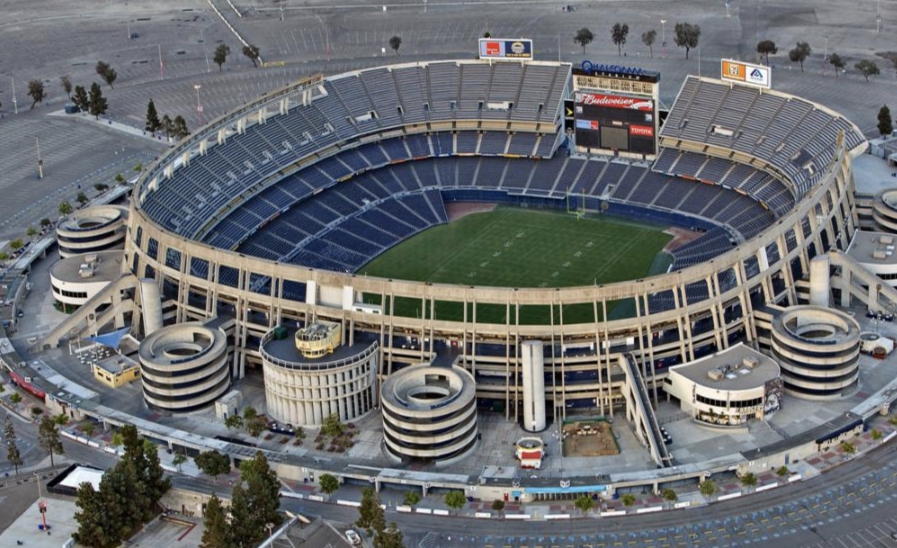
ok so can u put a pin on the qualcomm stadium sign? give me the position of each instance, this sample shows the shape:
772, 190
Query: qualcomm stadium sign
588, 68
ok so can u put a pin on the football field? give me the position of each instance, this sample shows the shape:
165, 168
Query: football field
512, 247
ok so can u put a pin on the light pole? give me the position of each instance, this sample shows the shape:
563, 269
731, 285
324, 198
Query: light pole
15, 103
205, 51
197, 87
663, 36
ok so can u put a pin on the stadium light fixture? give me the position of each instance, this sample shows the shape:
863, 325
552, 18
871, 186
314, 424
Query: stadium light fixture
663, 36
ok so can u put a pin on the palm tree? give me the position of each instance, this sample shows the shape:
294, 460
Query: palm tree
749, 480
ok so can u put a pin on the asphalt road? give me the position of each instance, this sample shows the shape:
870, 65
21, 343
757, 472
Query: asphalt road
847, 506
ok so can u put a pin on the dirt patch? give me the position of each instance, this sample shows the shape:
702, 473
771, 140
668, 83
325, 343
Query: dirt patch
589, 439
680, 238
456, 210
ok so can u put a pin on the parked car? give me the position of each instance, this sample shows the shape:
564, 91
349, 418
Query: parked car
353, 538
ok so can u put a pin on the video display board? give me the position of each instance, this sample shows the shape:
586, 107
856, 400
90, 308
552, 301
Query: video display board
615, 122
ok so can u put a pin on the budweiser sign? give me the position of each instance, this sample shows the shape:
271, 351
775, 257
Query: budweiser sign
614, 101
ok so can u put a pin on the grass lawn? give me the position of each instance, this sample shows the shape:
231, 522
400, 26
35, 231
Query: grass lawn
512, 247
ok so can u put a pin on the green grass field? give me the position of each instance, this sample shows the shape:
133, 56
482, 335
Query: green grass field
512, 247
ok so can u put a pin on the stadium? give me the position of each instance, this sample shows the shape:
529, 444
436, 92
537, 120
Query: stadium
272, 215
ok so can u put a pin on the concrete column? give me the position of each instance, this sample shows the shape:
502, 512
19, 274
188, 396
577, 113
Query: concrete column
820, 284
533, 386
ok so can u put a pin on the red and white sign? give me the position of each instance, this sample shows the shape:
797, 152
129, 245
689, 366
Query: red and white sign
492, 48
614, 101
641, 131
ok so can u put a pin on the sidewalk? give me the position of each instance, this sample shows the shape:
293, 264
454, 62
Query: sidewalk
350, 494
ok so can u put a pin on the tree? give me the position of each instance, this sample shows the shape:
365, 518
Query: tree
233, 421
101, 187
618, 34
31, 231
167, 126
892, 420
65, 208
116, 440
628, 500
88, 429
66, 85
152, 118
455, 500
36, 92
499, 506
97, 103
885, 125
370, 515
216, 531
13, 456
256, 426
61, 419
262, 494
4, 256
179, 459
252, 52
867, 68
411, 498
390, 538
332, 426
16, 244
94, 526
107, 73
669, 495
16, 398
45, 222
142, 458
212, 463
848, 447
836, 61
583, 37
799, 53
749, 480
686, 36
876, 435
584, 503
179, 127
395, 42
708, 488
80, 99
648, 39
221, 53
765, 47
782, 471
82, 198
329, 484
241, 532
48, 437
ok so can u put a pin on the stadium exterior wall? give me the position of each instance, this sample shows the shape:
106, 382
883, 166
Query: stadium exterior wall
817, 222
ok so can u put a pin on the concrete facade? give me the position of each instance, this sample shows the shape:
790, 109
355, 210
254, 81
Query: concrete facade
429, 413
304, 391
818, 350
98, 228
184, 367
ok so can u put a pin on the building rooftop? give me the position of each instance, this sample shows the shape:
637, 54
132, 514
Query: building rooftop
106, 267
873, 247
727, 370
285, 349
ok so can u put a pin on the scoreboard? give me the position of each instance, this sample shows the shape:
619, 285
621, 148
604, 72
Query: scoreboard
614, 110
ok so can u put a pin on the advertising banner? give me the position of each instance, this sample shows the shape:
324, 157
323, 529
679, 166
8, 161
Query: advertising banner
505, 48
746, 73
